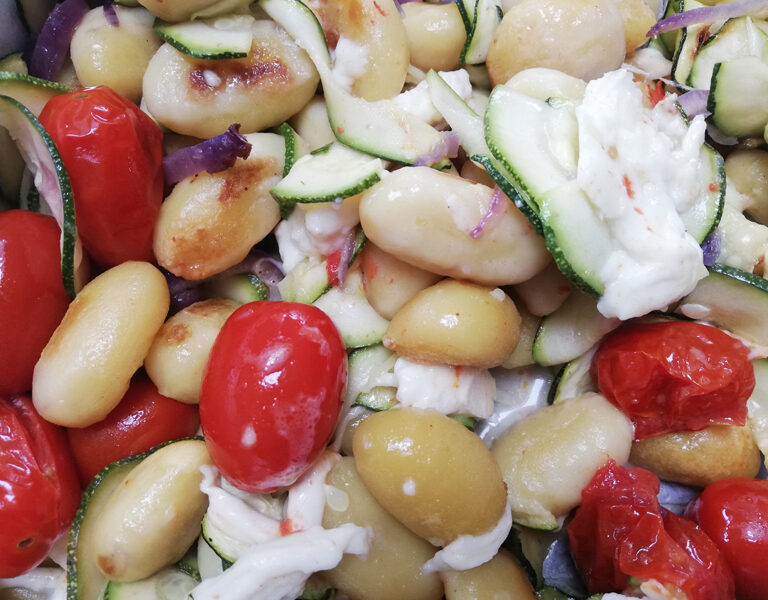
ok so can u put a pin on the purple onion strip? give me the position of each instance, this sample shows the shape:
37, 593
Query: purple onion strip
110, 14
53, 42
694, 102
213, 155
711, 248
398, 4
346, 254
708, 14
495, 207
447, 147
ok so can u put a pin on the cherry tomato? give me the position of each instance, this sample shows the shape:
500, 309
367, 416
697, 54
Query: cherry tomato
675, 376
272, 393
113, 154
734, 513
143, 419
39, 492
32, 296
619, 532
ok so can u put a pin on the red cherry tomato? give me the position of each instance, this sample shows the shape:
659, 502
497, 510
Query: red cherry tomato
32, 296
39, 492
734, 513
618, 532
272, 393
113, 154
675, 376
143, 419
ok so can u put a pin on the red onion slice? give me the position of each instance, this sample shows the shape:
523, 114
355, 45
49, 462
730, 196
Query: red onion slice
711, 248
213, 155
495, 207
447, 147
708, 14
694, 102
346, 254
110, 14
53, 42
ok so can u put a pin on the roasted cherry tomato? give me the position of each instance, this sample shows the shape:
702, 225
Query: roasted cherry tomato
272, 393
32, 296
734, 513
113, 154
619, 532
143, 419
39, 491
674, 376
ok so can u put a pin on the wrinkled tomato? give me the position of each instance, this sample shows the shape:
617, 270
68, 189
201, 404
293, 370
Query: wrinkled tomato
734, 513
39, 493
143, 419
32, 296
674, 376
619, 532
114, 157
272, 393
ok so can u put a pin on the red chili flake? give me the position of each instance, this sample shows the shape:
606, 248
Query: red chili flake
381, 12
628, 186
456, 375
656, 94
714, 186
340, 130
287, 527
639, 211
332, 268
564, 289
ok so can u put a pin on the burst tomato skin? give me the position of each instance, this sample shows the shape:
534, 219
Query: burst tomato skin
113, 154
620, 531
674, 376
143, 419
271, 393
40, 491
32, 296
734, 513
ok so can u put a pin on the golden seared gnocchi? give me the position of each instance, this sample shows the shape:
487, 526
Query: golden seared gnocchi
550, 456
456, 323
106, 333
202, 98
183, 10
425, 217
583, 38
501, 578
115, 56
431, 473
210, 221
370, 42
180, 350
392, 567
699, 457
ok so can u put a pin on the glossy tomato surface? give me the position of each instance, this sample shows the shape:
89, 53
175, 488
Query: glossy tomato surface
674, 376
39, 491
32, 296
143, 419
620, 531
272, 393
734, 513
113, 154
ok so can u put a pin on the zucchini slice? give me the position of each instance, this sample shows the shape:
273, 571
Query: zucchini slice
30, 91
757, 405
573, 379
211, 39
487, 15
51, 179
170, 583
738, 98
378, 128
731, 299
330, 173
295, 146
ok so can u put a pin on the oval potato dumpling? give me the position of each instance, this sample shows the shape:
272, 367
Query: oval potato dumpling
436, 35
378, 28
638, 17
430, 472
425, 217
202, 98
583, 38
87, 365
390, 282
153, 516
117, 57
699, 457
392, 567
501, 578
456, 323
180, 351
551, 455
210, 221
182, 10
